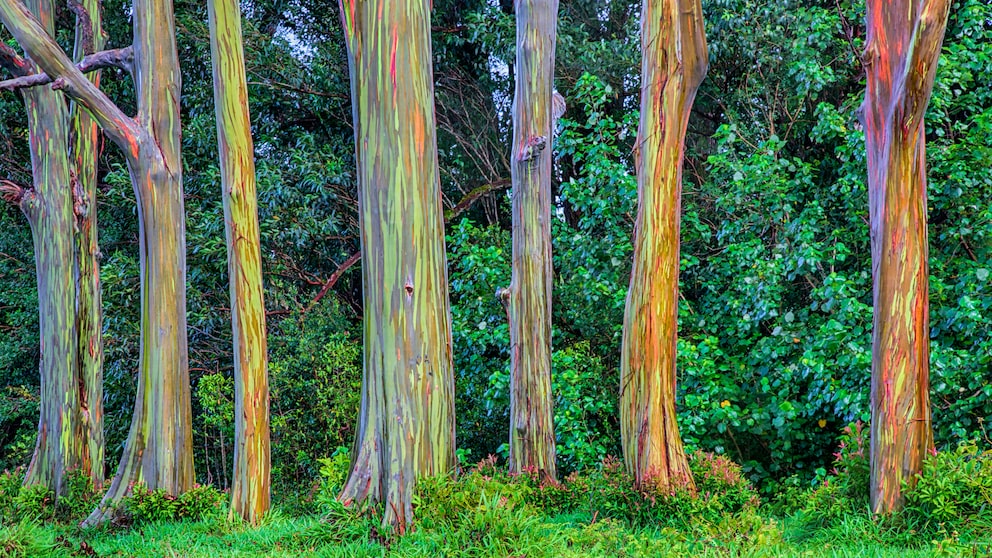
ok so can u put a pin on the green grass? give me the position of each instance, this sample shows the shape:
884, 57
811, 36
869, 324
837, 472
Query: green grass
513, 534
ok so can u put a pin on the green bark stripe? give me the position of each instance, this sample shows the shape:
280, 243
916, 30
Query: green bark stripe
904, 40
532, 438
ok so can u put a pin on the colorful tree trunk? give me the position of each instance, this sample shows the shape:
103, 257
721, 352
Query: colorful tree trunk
406, 427
85, 138
904, 40
48, 206
158, 451
674, 62
250, 488
528, 300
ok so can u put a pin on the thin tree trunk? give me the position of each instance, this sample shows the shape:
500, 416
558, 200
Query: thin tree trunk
406, 427
532, 437
85, 138
250, 492
674, 62
904, 41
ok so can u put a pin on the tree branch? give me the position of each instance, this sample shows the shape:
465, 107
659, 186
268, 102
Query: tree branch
84, 27
472, 196
48, 55
12, 62
115, 58
13, 192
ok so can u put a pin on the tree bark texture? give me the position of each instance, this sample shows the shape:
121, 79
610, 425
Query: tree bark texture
904, 41
532, 437
250, 489
406, 427
674, 62
85, 142
48, 206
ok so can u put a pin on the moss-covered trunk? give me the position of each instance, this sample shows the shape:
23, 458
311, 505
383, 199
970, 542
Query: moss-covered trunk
250, 492
904, 40
674, 62
532, 437
406, 427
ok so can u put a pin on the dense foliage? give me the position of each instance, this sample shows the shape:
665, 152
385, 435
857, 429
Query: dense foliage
775, 316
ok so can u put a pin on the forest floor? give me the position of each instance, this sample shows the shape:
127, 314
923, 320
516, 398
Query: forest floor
521, 537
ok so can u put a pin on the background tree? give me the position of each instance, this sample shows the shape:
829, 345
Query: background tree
673, 47
158, 451
406, 424
250, 489
528, 300
901, 59
85, 152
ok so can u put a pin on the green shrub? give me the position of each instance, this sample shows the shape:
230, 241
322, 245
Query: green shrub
845, 490
954, 488
333, 474
144, 505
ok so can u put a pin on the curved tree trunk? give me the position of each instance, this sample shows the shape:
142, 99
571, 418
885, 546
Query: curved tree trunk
250, 491
406, 427
674, 62
904, 39
528, 300
85, 138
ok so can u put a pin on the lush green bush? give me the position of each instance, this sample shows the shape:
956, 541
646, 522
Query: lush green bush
954, 488
144, 505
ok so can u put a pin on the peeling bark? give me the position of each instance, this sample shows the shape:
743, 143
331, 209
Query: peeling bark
904, 41
406, 426
674, 63
532, 437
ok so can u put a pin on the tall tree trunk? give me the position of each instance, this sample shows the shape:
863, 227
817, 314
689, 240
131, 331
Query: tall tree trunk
159, 449
85, 138
904, 40
406, 427
49, 209
250, 491
532, 437
674, 62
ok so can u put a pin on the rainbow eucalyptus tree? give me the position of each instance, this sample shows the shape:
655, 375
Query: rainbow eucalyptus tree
904, 41
406, 426
528, 299
674, 62
158, 451
85, 138
250, 491
50, 210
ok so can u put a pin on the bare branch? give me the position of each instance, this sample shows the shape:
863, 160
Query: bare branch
12, 192
115, 58
84, 26
13, 63
47, 54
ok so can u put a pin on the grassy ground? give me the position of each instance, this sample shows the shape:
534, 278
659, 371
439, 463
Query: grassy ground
518, 537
